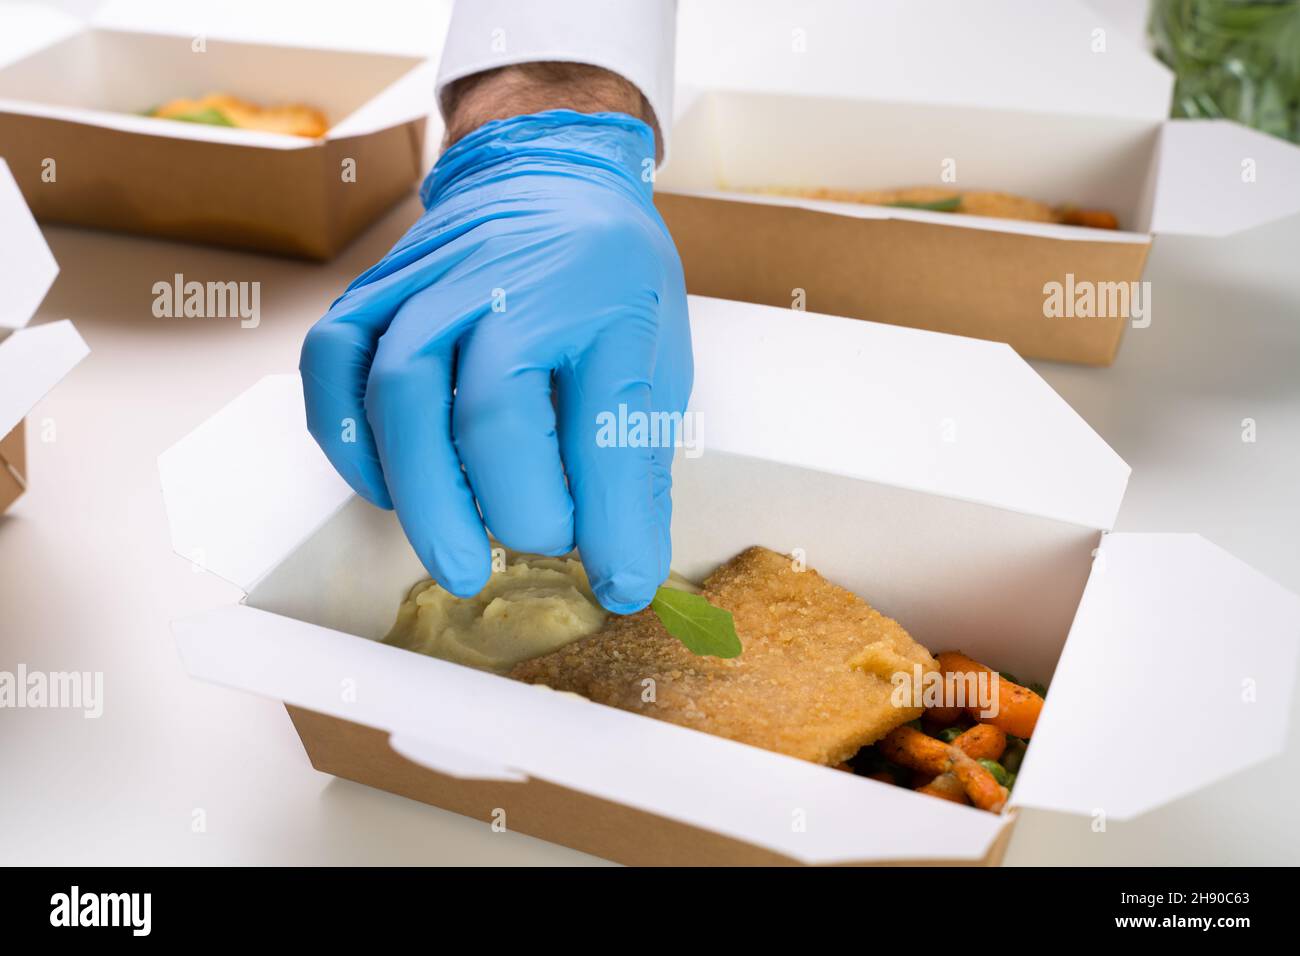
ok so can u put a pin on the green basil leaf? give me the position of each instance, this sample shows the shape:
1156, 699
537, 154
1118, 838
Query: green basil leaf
208, 115
939, 205
704, 629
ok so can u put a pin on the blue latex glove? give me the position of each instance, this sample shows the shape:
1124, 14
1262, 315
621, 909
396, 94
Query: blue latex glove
543, 289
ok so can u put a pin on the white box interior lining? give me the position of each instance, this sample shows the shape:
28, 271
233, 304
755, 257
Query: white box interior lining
1005, 588
731, 140
128, 72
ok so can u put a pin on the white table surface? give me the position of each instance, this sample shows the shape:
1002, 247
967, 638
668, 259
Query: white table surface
88, 581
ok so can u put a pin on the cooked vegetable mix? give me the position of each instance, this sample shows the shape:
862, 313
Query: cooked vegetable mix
965, 754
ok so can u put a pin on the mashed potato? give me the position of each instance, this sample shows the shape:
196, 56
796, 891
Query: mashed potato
530, 608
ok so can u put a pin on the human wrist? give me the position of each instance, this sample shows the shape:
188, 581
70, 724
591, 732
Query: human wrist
527, 88
614, 147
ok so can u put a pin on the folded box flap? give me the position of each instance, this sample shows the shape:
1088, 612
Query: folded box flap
410, 98
265, 55
249, 484
422, 25
1217, 177
960, 417
1058, 57
964, 418
33, 361
27, 267
1178, 671
456, 719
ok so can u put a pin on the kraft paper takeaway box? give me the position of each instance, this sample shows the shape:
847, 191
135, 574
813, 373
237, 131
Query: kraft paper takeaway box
32, 361
901, 94
939, 477
72, 127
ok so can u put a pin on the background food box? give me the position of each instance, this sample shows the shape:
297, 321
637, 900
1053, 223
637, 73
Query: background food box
32, 361
937, 476
891, 94
73, 95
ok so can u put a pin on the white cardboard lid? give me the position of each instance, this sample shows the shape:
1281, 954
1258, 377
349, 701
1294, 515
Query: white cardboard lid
236, 528
421, 25
519, 730
424, 25
27, 28
1017, 54
1015, 443
1217, 177
953, 416
1178, 671
1204, 177
27, 267
33, 361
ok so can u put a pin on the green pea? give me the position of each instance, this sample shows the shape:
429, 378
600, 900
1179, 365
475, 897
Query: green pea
949, 734
999, 772
1039, 689
1011, 781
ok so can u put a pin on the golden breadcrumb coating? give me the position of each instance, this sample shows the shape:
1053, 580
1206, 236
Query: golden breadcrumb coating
813, 681
972, 202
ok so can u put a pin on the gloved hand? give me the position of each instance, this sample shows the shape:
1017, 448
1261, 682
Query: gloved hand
539, 293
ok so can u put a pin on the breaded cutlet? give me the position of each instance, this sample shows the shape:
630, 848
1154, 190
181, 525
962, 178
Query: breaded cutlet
813, 680
972, 202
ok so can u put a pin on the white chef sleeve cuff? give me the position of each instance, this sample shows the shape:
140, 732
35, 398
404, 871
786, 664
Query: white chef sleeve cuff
633, 38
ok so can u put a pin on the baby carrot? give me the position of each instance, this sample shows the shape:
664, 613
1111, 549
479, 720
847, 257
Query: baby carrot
983, 742
946, 786
910, 748
943, 716
983, 790
1017, 707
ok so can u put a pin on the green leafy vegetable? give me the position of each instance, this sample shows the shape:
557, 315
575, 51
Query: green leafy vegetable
208, 115
704, 629
938, 205
1238, 59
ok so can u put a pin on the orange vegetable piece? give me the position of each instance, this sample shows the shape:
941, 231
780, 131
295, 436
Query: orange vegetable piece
1018, 707
983, 791
943, 716
910, 748
983, 742
946, 786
